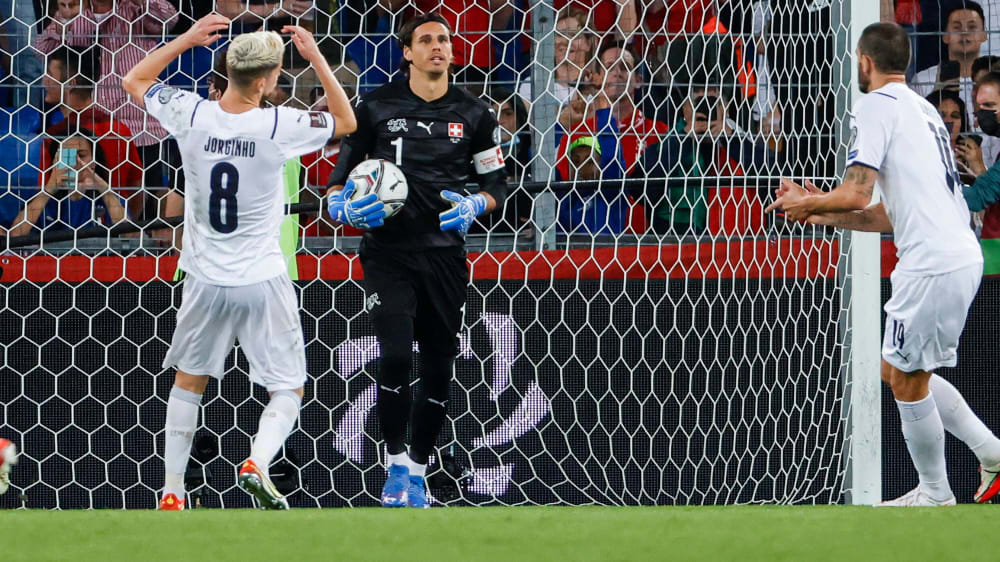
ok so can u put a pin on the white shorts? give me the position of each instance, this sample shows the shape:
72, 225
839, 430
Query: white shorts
263, 316
925, 318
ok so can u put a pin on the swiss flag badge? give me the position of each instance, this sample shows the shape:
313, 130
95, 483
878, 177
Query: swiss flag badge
455, 130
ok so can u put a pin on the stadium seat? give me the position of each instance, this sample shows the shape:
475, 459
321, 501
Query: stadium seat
24, 121
734, 211
20, 146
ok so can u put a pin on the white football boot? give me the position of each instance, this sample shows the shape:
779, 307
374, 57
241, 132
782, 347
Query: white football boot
916, 498
989, 483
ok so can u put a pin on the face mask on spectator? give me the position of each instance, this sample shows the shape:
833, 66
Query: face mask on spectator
987, 119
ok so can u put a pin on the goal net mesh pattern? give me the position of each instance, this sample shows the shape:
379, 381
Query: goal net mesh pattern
638, 330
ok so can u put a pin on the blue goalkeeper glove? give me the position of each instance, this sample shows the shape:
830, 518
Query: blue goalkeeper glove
463, 211
367, 212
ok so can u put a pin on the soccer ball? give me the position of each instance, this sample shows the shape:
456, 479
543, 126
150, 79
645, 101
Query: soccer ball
382, 178
8, 458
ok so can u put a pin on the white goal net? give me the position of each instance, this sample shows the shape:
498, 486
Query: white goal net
638, 330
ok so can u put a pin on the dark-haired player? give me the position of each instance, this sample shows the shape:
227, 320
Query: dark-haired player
902, 143
415, 271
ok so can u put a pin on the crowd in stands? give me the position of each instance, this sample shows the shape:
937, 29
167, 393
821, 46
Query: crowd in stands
688, 96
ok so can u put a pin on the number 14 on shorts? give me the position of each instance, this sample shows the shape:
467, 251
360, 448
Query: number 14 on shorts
896, 339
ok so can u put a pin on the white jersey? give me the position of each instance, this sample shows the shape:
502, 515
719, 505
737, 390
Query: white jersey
234, 190
902, 136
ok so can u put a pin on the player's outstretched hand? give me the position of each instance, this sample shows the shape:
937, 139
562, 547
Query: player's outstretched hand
365, 213
463, 211
304, 42
205, 31
789, 197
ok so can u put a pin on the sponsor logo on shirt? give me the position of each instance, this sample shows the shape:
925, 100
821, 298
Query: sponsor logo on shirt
153, 89
317, 119
166, 94
397, 125
426, 127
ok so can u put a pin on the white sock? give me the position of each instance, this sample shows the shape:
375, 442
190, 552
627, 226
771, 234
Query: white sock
963, 423
416, 469
401, 459
182, 420
276, 422
924, 434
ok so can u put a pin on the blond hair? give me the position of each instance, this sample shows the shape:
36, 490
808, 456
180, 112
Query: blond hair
253, 55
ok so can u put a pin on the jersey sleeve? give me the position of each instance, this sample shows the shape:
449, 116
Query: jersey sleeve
173, 108
487, 157
300, 132
355, 147
872, 123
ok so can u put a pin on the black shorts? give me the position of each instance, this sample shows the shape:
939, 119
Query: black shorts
427, 288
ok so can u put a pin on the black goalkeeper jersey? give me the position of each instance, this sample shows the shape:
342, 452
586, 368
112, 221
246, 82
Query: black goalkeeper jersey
438, 145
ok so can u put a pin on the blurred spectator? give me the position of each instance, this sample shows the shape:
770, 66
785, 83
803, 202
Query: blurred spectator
964, 35
125, 30
990, 145
689, 39
781, 150
255, 11
283, 93
798, 37
602, 210
752, 22
991, 14
984, 193
591, 118
619, 17
701, 146
983, 65
69, 82
515, 134
575, 45
908, 14
584, 208
366, 27
617, 73
675, 18
77, 194
516, 142
19, 67
967, 147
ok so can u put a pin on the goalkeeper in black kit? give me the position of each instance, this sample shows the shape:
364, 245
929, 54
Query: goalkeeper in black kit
414, 264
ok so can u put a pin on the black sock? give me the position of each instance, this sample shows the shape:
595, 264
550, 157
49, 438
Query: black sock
431, 405
393, 396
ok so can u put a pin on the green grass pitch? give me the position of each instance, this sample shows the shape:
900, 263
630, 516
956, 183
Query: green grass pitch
841, 533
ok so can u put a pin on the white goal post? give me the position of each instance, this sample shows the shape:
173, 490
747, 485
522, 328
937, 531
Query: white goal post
641, 335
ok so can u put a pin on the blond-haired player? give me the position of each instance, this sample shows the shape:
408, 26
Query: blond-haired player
237, 284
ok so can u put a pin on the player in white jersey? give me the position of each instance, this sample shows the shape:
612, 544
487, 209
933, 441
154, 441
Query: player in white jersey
902, 146
237, 284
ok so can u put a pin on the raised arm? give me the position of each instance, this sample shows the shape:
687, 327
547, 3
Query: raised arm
157, 15
204, 32
336, 98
